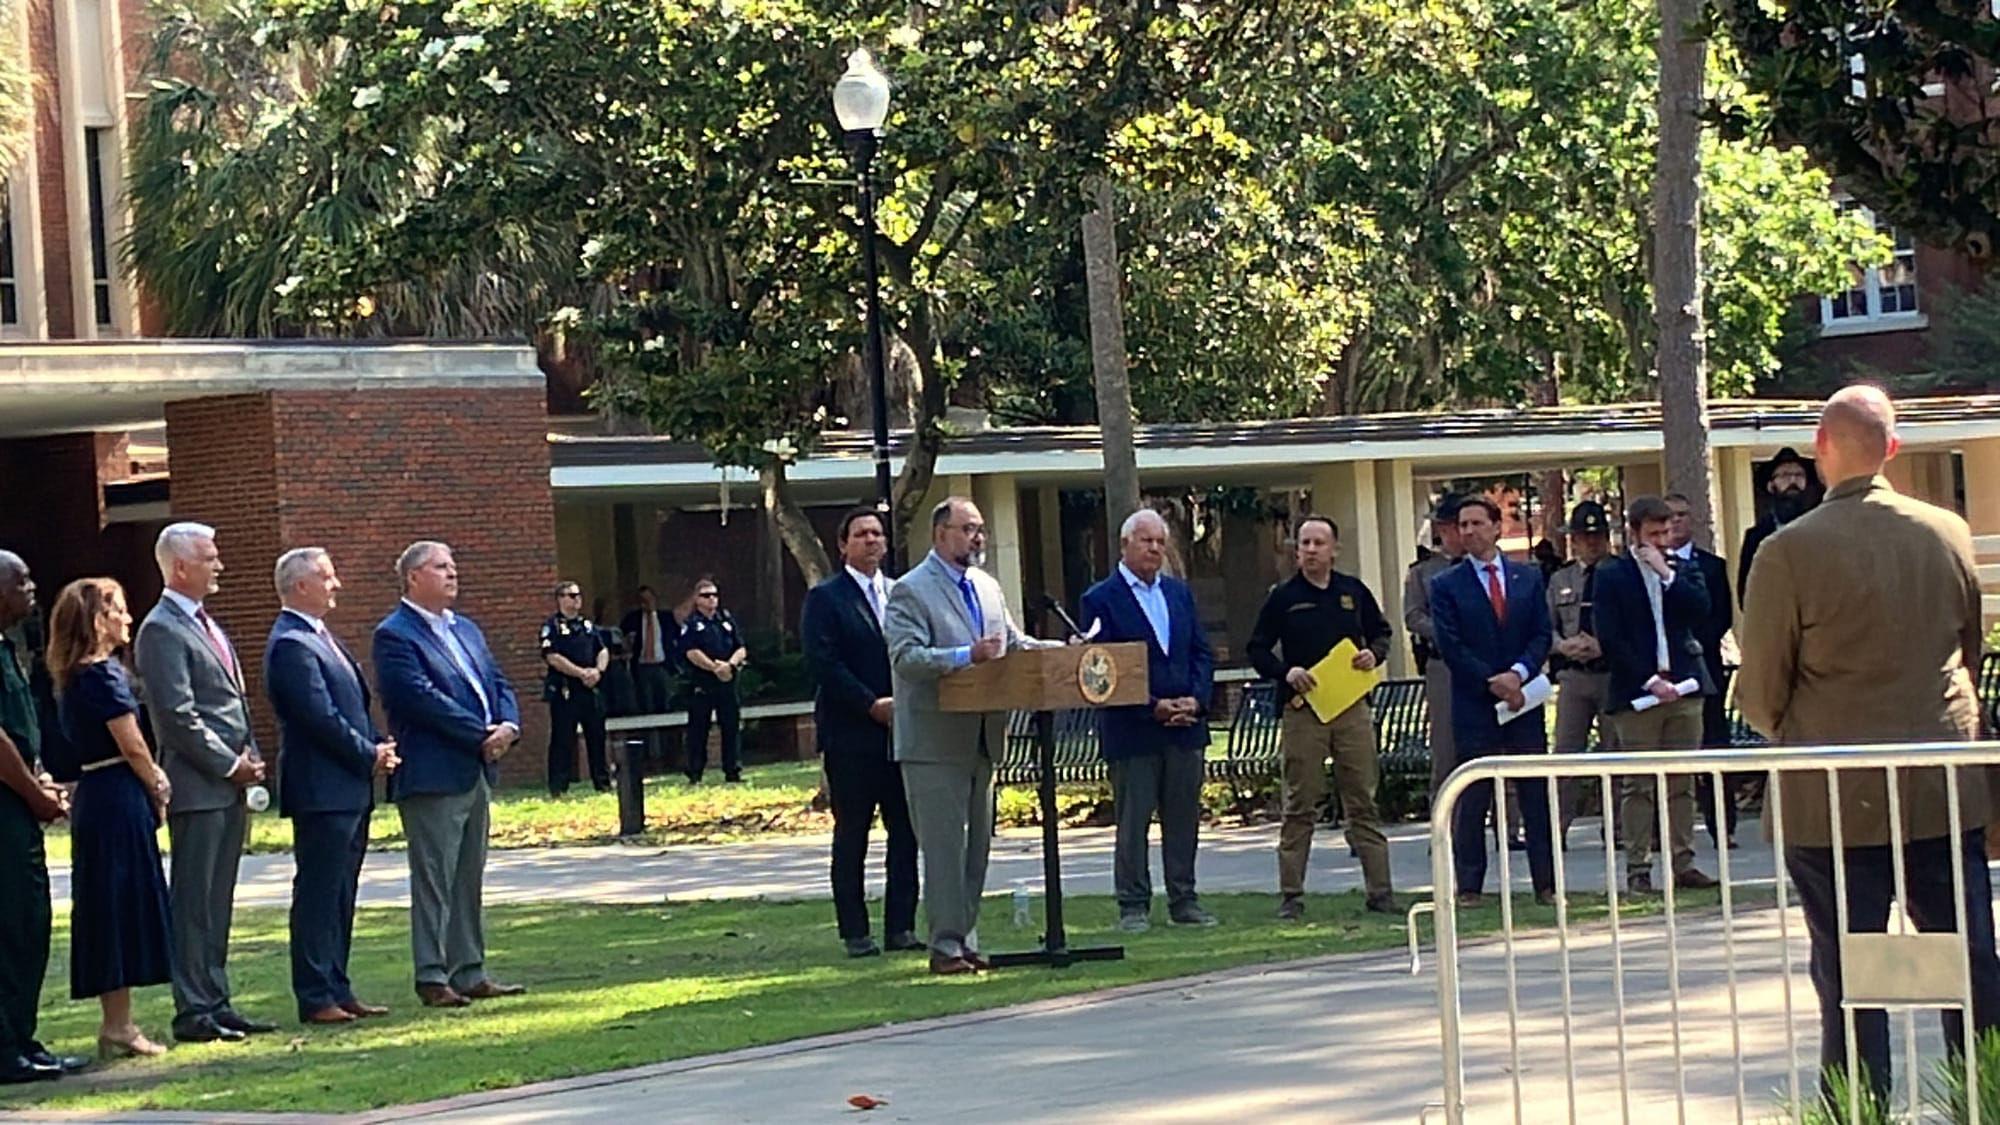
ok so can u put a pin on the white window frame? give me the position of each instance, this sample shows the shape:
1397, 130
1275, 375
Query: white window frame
23, 213
1870, 285
90, 75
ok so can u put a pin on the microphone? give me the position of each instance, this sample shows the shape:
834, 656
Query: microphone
1049, 602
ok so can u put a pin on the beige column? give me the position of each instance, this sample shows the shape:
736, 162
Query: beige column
24, 203
1345, 491
999, 501
1736, 502
1644, 478
1981, 460
1396, 517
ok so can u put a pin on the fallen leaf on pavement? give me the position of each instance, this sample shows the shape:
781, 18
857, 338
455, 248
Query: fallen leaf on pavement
864, 1101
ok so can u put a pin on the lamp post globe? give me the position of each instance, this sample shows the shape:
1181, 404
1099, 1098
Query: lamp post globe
861, 104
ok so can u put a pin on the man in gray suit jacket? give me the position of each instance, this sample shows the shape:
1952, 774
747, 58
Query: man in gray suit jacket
201, 718
943, 615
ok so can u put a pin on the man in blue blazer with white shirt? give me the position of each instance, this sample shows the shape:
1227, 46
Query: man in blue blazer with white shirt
1154, 750
1491, 619
453, 715
329, 757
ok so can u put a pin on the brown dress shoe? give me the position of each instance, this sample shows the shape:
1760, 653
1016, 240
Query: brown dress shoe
944, 966
1693, 879
440, 996
357, 1008
489, 988
332, 1013
1471, 900
973, 958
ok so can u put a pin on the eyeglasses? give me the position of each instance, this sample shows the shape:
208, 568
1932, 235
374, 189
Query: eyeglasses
972, 529
570, 594
707, 594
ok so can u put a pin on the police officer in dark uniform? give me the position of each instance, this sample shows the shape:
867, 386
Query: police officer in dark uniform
27, 801
713, 646
1578, 665
1302, 619
576, 655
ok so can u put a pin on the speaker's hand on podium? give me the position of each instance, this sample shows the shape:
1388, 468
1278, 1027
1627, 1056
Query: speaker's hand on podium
988, 648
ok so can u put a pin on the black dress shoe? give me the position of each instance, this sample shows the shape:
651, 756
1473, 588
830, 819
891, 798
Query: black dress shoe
21, 1070
863, 946
902, 941
237, 1021
42, 1056
205, 1029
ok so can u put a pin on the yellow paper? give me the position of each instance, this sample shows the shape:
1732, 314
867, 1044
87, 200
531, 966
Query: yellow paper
1337, 684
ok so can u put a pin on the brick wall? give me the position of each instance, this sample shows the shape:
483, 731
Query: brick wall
49, 165
363, 474
55, 508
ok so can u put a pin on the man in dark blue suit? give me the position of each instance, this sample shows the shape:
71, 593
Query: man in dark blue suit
841, 630
1650, 606
1154, 750
453, 715
1491, 619
1718, 809
329, 756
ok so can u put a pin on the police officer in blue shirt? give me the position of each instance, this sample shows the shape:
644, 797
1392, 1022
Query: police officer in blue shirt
576, 655
713, 646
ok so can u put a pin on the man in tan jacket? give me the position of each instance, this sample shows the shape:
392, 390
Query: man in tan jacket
1866, 628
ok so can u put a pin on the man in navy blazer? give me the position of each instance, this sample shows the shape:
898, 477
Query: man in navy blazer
1491, 620
329, 757
853, 706
1650, 609
1154, 750
453, 715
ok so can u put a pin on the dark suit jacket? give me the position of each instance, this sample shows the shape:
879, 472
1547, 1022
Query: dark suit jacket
1721, 612
433, 712
1625, 628
326, 739
635, 637
849, 663
1187, 669
1478, 647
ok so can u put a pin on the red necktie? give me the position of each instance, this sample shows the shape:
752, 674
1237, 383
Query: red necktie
215, 640
1494, 594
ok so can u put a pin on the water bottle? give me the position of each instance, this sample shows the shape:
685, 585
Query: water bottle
1022, 919
257, 797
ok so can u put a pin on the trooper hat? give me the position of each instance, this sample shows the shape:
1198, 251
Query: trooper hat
1587, 518
1447, 509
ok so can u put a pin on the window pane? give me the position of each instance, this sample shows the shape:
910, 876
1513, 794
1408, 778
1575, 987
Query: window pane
94, 141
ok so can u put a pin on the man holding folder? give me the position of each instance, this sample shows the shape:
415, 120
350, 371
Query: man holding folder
1303, 620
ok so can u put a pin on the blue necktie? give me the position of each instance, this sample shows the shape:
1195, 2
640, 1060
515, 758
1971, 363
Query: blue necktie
972, 605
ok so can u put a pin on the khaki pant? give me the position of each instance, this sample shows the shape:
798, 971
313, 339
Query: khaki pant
1305, 744
1670, 726
1580, 703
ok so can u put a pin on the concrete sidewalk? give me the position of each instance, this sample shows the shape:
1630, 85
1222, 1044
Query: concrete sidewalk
1342, 1039
795, 867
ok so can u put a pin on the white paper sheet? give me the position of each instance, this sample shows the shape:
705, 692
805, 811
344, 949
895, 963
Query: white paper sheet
1534, 693
1649, 701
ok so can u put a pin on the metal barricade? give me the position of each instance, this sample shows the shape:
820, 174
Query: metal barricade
1897, 969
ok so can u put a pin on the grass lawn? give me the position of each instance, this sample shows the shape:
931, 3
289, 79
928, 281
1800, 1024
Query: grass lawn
621, 986
773, 799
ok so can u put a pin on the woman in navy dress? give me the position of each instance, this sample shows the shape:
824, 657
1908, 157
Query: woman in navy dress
118, 918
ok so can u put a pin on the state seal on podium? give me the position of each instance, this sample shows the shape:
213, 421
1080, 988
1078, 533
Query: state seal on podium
1096, 675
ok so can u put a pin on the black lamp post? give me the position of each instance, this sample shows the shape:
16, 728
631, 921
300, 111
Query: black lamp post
861, 102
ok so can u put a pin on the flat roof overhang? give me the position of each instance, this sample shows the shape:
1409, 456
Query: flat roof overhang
58, 387
1276, 454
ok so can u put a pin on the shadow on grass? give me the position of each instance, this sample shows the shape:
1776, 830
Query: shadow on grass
621, 986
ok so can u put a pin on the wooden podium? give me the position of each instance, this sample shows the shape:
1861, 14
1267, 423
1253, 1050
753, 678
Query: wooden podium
1047, 680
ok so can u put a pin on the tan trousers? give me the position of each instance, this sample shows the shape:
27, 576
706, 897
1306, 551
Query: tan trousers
1580, 703
1305, 744
1437, 713
1671, 726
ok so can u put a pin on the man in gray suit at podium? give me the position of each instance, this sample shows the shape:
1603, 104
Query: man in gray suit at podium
943, 615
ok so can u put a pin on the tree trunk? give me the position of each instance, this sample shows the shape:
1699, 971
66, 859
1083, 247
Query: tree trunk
1677, 309
795, 531
926, 436
1107, 356
1550, 485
